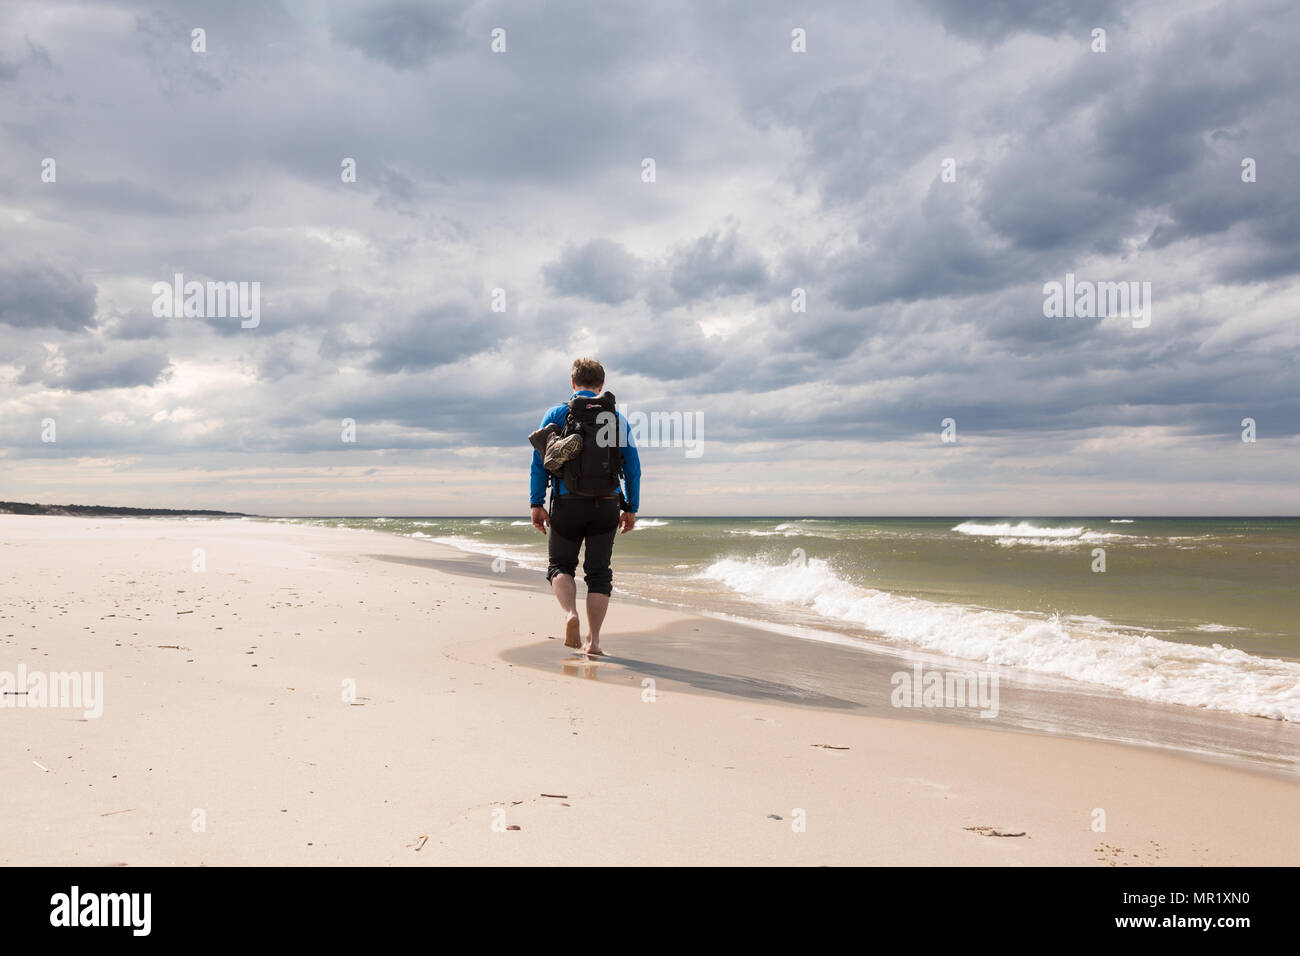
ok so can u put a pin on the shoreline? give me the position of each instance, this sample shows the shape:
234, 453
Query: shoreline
930, 587
857, 671
222, 695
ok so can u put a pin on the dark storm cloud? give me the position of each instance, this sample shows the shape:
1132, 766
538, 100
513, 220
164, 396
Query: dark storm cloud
715, 265
600, 270
277, 362
403, 34
130, 198
395, 190
1099, 165
863, 135
937, 251
135, 324
664, 348
45, 296
1095, 158
434, 337
92, 367
777, 170
995, 22
718, 264
32, 55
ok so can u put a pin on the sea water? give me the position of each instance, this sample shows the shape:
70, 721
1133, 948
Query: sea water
1199, 612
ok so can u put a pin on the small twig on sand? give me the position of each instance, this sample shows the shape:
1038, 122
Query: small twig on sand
993, 832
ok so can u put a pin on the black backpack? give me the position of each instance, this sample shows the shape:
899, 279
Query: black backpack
596, 469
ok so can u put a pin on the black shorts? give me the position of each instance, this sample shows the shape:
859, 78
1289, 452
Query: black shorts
578, 518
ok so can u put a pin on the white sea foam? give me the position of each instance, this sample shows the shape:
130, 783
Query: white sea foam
787, 529
1023, 533
649, 523
1038, 542
521, 554
515, 523
1087, 537
1218, 628
1022, 529
1121, 520
1085, 649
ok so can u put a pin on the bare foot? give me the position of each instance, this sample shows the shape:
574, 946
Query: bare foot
572, 632
593, 649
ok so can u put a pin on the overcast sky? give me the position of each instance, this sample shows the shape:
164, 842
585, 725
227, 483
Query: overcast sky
774, 170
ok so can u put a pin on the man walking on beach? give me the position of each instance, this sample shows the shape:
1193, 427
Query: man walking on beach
593, 510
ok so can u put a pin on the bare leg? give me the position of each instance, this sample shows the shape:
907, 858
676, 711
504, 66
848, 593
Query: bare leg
597, 605
566, 592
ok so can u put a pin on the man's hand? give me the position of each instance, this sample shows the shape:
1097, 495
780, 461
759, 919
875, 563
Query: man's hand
626, 521
540, 519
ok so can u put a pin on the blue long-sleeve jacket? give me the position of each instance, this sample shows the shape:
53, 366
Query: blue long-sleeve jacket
539, 476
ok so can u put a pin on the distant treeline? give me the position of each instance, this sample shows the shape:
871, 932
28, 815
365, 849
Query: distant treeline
103, 511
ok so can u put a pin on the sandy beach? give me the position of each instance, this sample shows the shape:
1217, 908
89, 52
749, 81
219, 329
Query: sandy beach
326, 696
